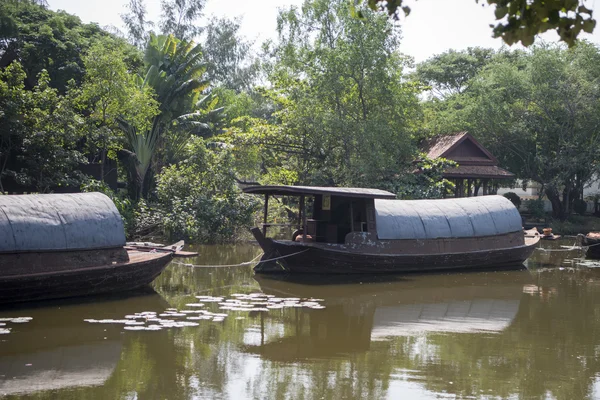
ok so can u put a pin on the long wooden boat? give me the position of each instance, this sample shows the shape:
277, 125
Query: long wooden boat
55, 246
368, 231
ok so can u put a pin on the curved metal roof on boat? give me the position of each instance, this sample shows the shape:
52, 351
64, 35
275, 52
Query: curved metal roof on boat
59, 222
312, 190
446, 218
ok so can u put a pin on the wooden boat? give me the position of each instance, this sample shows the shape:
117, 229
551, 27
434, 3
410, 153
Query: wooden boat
66, 245
592, 240
175, 248
368, 231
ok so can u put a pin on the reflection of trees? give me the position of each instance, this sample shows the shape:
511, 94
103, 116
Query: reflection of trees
180, 280
548, 350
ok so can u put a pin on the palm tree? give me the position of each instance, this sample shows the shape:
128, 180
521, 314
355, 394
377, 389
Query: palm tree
174, 71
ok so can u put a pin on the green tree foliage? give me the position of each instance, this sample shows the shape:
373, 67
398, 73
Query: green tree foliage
198, 196
227, 55
41, 39
538, 112
344, 113
522, 20
175, 73
136, 23
109, 93
39, 133
426, 181
179, 18
449, 73
542, 119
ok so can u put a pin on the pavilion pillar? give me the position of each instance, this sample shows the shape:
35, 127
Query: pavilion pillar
469, 183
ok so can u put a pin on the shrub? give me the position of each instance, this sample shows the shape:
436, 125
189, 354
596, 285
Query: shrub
580, 206
199, 199
514, 198
536, 208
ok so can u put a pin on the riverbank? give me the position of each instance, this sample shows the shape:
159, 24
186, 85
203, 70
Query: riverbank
574, 225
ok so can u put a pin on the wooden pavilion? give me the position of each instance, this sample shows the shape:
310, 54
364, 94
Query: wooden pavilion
477, 167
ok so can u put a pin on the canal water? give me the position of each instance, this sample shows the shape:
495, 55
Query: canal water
524, 334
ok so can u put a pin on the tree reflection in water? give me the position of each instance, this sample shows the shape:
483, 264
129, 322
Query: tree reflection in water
525, 334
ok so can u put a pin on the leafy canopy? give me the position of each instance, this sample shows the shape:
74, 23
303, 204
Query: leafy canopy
522, 20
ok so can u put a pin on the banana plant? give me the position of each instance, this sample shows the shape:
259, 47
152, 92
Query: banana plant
174, 72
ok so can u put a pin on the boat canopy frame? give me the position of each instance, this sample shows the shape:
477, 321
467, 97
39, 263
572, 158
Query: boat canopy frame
303, 191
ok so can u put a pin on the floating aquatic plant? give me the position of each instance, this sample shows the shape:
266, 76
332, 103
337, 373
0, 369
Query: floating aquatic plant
239, 302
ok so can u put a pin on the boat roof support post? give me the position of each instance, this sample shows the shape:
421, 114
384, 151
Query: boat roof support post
266, 213
351, 216
303, 217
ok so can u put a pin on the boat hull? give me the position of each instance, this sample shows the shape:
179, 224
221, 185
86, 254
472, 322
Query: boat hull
331, 259
141, 269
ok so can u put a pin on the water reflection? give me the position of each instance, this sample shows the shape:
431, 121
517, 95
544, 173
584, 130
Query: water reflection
414, 305
512, 334
55, 351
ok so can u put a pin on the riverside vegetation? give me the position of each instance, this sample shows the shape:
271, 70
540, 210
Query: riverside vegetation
187, 108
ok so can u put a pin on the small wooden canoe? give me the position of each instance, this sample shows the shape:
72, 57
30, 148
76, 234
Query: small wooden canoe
175, 248
592, 240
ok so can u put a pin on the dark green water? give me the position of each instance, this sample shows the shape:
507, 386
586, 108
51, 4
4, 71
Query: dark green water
529, 334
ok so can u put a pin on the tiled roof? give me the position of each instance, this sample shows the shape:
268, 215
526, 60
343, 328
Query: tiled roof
440, 144
478, 171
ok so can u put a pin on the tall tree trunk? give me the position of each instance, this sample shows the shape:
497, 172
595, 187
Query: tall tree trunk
558, 210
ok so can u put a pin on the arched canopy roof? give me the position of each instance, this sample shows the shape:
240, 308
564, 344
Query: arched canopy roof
55, 222
447, 218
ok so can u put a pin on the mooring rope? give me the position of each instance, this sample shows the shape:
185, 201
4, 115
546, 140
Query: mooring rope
279, 258
241, 264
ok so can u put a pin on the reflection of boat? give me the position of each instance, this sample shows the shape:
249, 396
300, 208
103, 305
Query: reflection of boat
68, 245
367, 231
79, 365
358, 314
58, 350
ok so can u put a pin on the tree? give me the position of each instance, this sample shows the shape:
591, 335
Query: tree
179, 18
522, 20
41, 39
109, 93
227, 55
449, 73
175, 73
542, 120
344, 111
40, 132
136, 23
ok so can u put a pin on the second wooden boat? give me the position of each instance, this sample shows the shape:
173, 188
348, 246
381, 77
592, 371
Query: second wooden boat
369, 231
55, 246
